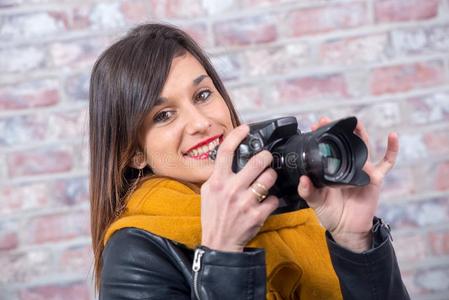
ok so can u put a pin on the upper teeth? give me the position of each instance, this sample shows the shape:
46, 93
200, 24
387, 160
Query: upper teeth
205, 148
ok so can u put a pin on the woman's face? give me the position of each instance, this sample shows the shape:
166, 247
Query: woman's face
190, 119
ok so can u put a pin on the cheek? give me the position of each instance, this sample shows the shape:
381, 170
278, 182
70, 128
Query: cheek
223, 114
161, 146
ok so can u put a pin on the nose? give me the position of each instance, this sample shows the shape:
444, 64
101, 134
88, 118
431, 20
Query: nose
197, 121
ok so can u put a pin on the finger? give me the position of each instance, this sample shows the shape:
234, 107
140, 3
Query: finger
261, 186
390, 156
321, 122
225, 153
324, 121
309, 192
360, 130
255, 166
266, 207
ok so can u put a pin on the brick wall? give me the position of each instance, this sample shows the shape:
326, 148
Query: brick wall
385, 61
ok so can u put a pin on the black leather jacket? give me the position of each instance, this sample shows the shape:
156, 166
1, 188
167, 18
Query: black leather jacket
141, 265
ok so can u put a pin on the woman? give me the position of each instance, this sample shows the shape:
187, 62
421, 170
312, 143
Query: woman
170, 223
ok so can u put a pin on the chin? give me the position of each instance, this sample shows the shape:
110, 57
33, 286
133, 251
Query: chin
204, 174
200, 176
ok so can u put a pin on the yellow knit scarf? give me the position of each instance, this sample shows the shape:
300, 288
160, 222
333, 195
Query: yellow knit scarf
298, 264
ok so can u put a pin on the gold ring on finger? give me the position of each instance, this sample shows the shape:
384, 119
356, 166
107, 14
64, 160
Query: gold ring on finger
260, 191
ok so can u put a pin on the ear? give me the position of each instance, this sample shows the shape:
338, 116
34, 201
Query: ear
138, 161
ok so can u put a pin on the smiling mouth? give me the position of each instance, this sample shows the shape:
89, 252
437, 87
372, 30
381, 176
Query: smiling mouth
203, 152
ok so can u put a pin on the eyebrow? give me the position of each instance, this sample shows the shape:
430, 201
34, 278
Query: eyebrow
195, 82
198, 80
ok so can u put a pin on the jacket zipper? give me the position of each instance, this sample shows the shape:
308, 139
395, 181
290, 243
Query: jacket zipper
379, 224
196, 270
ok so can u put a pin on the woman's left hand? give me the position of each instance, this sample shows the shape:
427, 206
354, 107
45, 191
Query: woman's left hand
347, 211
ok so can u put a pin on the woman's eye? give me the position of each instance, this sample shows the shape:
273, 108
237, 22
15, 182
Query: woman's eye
162, 116
203, 95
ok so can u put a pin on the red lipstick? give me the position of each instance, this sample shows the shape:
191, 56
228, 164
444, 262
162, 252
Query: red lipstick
205, 142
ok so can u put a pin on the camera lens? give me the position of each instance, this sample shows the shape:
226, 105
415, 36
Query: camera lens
331, 157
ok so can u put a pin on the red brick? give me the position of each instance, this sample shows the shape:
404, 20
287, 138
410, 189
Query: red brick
354, 50
176, 9
276, 60
38, 93
245, 31
327, 18
199, 32
76, 290
439, 242
9, 238
55, 228
135, 11
437, 142
311, 88
405, 10
40, 161
428, 108
403, 78
80, 17
76, 260
442, 176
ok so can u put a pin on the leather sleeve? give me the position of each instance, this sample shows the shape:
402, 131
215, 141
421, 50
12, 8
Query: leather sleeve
140, 265
227, 275
373, 274
135, 266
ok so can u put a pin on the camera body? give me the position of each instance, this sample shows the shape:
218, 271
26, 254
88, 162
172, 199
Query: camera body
330, 155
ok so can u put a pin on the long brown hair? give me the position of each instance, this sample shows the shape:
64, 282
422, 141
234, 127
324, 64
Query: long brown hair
126, 80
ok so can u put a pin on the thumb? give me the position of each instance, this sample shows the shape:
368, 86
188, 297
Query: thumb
309, 192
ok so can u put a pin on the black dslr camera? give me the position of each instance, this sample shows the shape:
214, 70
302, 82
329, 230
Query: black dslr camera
330, 155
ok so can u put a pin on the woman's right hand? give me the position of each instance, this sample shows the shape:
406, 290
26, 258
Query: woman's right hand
231, 215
